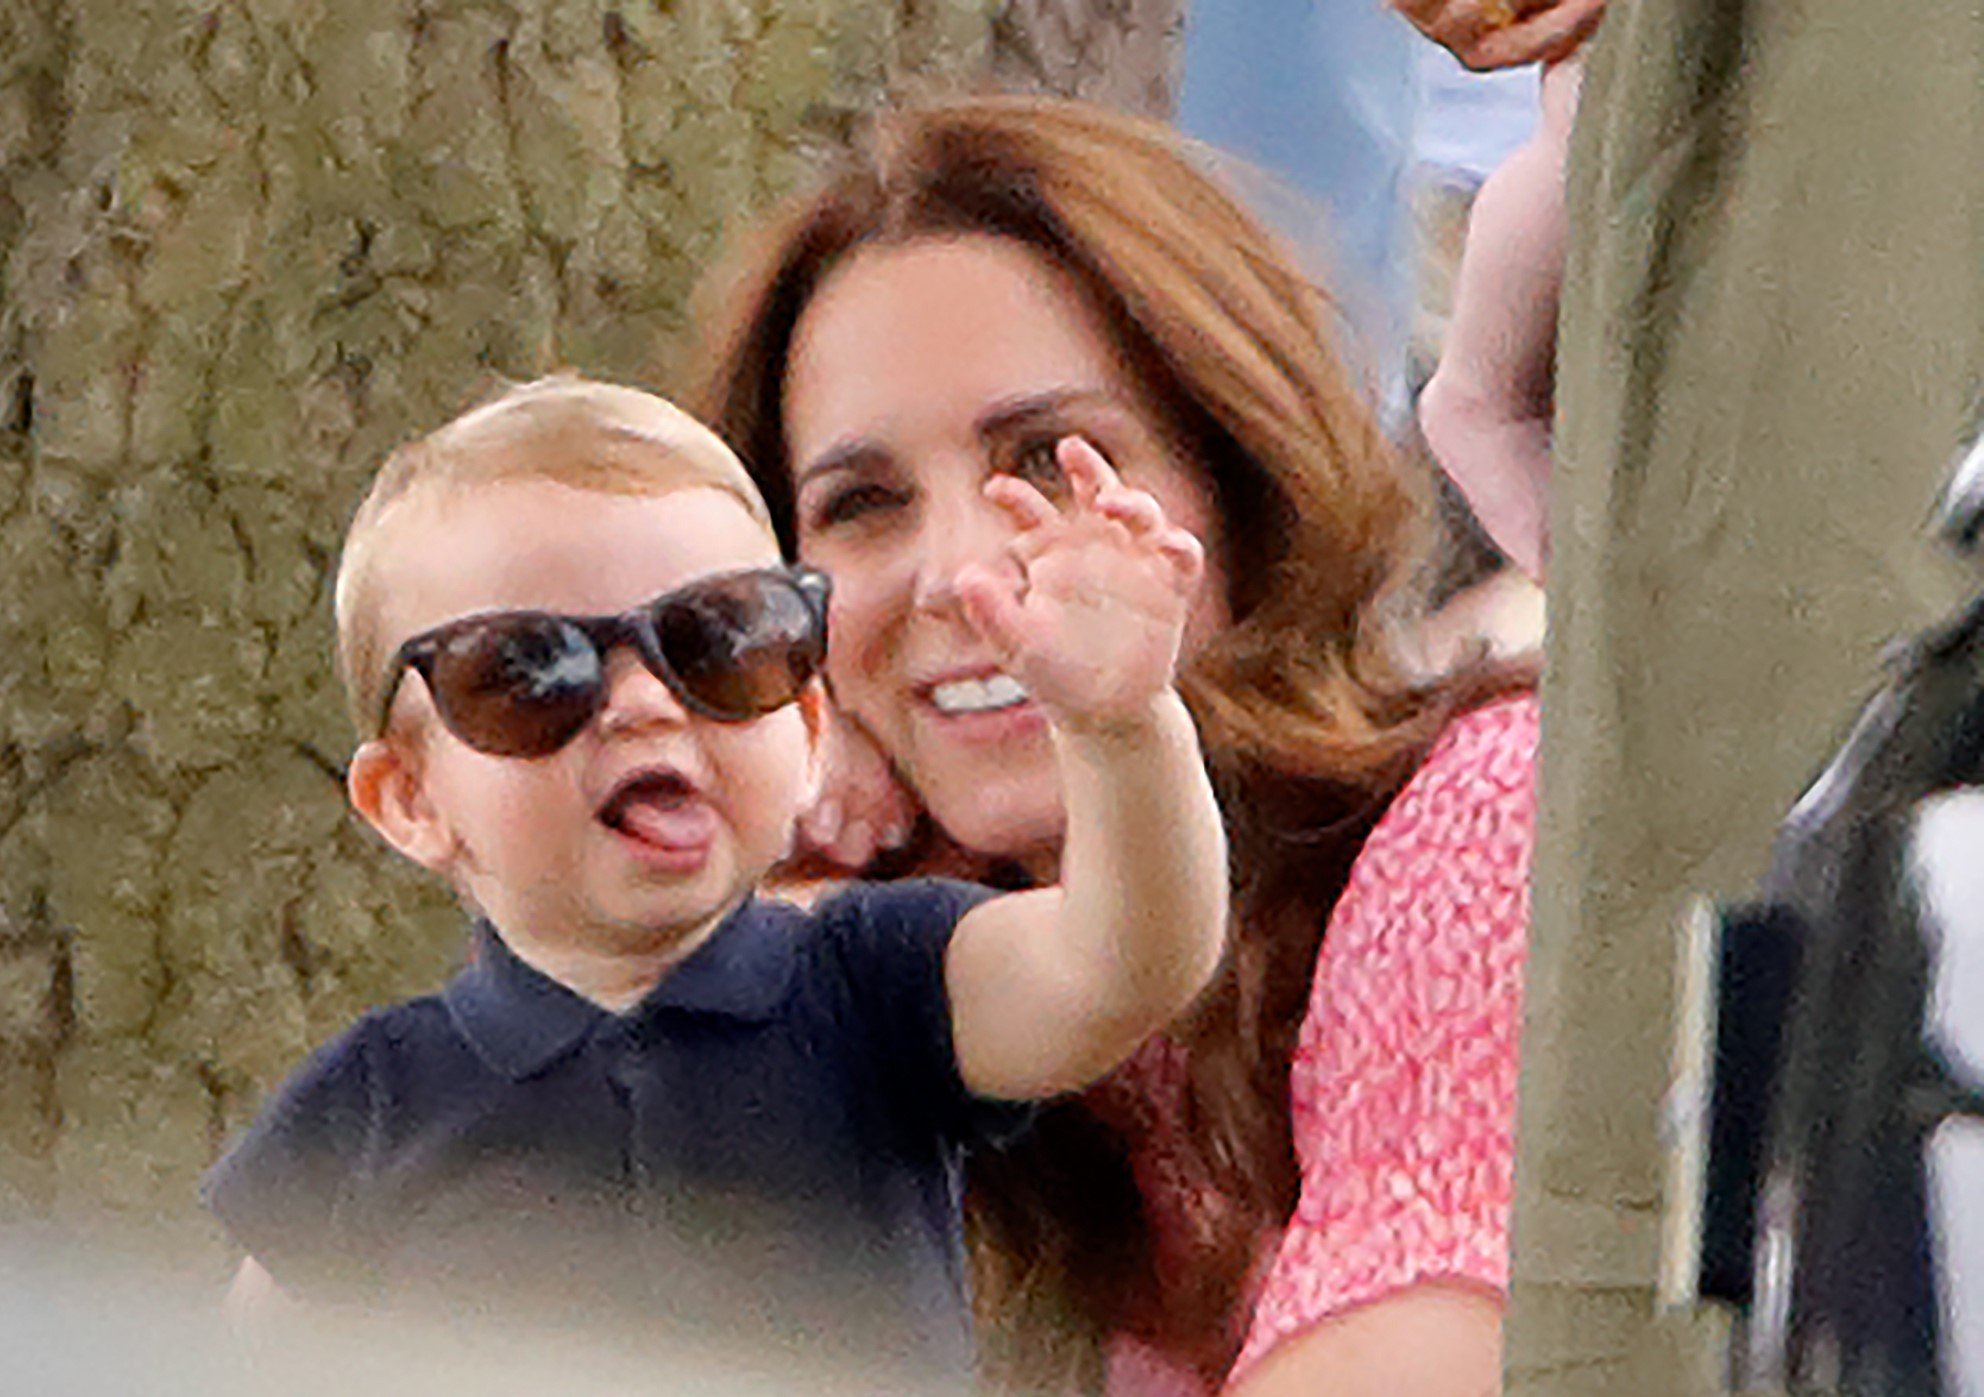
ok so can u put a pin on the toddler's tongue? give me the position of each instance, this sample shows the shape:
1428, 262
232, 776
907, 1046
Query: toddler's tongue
673, 821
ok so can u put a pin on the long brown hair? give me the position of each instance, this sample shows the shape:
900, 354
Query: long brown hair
1309, 721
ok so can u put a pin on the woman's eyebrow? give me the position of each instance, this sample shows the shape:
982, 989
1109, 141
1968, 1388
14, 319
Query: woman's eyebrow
1032, 408
847, 456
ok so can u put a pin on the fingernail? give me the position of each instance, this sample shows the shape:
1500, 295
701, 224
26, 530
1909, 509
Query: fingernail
826, 820
895, 836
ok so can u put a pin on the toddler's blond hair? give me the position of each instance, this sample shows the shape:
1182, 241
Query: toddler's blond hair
564, 429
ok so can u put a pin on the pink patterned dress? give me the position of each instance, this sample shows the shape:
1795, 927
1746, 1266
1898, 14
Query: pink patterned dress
1404, 1080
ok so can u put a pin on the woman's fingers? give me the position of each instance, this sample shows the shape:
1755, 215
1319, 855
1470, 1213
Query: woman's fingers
862, 808
856, 848
820, 826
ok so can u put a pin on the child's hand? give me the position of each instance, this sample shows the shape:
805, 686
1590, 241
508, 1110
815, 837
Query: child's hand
1093, 622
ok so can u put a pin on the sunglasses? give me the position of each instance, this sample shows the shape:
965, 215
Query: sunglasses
524, 683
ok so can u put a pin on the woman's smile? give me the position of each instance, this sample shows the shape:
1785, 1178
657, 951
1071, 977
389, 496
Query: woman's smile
920, 373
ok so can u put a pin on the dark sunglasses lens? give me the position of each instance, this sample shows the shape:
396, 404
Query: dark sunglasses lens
740, 646
517, 686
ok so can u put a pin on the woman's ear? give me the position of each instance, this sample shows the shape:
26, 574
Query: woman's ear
388, 789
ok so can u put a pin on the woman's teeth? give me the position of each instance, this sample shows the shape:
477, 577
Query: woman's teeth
978, 695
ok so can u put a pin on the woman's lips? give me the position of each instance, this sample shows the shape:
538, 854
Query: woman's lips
989, 725
983, 693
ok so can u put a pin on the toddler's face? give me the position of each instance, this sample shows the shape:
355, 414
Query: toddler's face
650, 821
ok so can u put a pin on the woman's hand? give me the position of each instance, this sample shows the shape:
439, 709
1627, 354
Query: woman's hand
1092, 620
1486, 34
862, 808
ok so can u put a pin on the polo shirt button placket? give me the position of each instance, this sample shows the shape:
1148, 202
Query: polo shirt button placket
616, 1049
620, 1046
648, 1205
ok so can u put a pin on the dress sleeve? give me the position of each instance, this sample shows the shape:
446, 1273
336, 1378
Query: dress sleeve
1403, 1087
282, 1192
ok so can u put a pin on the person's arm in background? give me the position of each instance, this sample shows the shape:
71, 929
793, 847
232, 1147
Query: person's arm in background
1486, 414
1390, 1279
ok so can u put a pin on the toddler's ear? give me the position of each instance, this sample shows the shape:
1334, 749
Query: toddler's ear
816, 709
387, 789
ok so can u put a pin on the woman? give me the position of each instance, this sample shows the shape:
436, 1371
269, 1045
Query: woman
1309, 1178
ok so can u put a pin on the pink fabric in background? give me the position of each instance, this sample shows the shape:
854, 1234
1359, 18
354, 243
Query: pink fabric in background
1404, 1081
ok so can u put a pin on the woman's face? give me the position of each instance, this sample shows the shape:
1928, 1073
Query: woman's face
918, 372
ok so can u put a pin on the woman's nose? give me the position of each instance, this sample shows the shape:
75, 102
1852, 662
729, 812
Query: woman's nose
636, 697
966, 531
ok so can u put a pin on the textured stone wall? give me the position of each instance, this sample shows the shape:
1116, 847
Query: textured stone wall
244, 248
1125, 53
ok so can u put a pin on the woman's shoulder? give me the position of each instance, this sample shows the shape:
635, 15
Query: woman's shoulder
1493, 742
1483, 761
1402, 1088
1462, 827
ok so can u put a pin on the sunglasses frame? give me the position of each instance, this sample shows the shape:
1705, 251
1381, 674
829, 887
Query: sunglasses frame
635, 627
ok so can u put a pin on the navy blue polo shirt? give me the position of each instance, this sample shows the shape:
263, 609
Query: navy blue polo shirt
766, 1149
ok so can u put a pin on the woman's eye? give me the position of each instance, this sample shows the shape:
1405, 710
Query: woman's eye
853, 502
1036, 463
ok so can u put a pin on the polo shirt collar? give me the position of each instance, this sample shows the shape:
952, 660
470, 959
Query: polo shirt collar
520, 1021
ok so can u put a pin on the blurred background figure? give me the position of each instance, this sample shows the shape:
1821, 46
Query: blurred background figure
1364, 132
1948, 837
1323, 97
1771, 331
1486, 413
1469, 124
